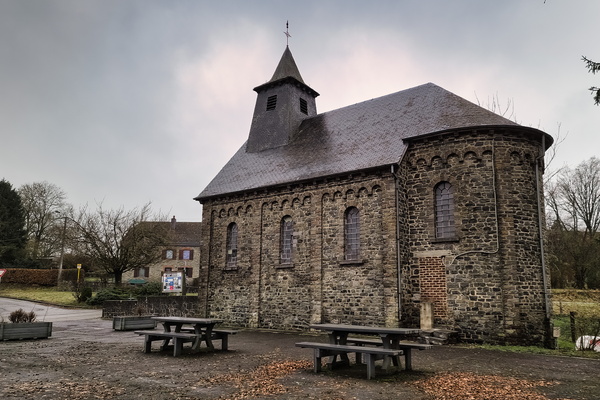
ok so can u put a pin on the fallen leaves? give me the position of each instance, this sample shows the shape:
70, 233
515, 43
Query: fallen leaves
468, 386
260, 381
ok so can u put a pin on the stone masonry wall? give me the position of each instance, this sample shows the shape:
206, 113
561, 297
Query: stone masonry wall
495, 290
318, 286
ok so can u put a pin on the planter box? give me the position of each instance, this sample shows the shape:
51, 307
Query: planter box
27, 330
131, 323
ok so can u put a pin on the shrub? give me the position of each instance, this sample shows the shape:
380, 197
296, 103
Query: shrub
108, 294
149, 289
19, 316
82, 294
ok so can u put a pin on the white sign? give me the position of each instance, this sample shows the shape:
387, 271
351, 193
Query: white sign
2, 272
172, 282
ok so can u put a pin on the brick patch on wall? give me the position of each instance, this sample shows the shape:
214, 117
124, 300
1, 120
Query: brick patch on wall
432, 279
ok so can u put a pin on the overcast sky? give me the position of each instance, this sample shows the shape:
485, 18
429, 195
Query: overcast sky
126, 102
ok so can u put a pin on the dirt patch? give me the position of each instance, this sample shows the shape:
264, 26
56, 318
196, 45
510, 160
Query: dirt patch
88, 360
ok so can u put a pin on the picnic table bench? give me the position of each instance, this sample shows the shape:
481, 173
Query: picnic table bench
329, 349
406, 348
178, 338
217, 334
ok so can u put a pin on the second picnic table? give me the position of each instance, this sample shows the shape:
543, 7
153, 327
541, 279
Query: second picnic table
390, 343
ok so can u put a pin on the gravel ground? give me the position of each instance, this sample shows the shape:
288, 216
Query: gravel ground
88, 360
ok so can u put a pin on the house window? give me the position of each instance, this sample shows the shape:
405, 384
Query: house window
168, 254
188, 271
303, 106
351, 234
186, 254
141, 272
168, 269
232, 245
286, 235
271, 102
444, 211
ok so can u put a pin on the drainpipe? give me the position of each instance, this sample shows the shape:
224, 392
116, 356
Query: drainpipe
540, 227
398, 261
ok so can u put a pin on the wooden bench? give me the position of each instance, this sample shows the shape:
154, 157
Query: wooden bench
217, 334
179, 338
327, 349
406, 348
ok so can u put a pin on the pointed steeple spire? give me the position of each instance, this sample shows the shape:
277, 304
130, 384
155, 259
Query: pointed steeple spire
287, 67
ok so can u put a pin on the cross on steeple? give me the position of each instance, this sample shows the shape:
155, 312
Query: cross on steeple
287, 33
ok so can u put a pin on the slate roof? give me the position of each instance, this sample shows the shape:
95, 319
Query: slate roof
185, 233
181, 234
358, 137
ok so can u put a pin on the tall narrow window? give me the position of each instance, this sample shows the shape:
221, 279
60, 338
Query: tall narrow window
271, 102
303, 106
232, 245
286, 235
444, 211
351, 234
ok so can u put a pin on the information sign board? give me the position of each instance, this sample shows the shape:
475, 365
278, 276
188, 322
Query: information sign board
172, 282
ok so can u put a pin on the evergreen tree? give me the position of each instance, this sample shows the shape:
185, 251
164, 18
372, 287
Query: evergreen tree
593, 67
13, 236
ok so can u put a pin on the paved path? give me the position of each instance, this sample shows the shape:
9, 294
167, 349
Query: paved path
46, 313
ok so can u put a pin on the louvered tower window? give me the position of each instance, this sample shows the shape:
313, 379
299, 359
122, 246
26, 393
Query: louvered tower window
271, 102
303, 106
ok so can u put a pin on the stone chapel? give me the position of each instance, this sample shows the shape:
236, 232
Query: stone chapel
364, 214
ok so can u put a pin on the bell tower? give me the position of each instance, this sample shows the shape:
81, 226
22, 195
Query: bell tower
281, 105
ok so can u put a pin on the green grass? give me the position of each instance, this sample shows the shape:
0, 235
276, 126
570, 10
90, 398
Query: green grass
49, 295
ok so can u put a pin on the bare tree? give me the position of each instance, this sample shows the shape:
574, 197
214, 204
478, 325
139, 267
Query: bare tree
573, 200
121, 240
43, 203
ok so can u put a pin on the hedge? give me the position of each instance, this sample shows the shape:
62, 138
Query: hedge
44, 277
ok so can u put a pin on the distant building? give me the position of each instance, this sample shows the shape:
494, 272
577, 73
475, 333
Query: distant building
361, 214
181, 254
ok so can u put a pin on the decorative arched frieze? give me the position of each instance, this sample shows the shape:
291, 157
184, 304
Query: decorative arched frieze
470, 157
437, 162
453, 159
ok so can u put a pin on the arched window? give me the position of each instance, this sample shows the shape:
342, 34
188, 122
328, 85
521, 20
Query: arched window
286, 235
444, 211
232, 245
351, 234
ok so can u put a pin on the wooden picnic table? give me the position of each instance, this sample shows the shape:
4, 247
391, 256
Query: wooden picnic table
390, 339
202, 328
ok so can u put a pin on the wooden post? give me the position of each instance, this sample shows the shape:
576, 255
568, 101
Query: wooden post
572, 315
